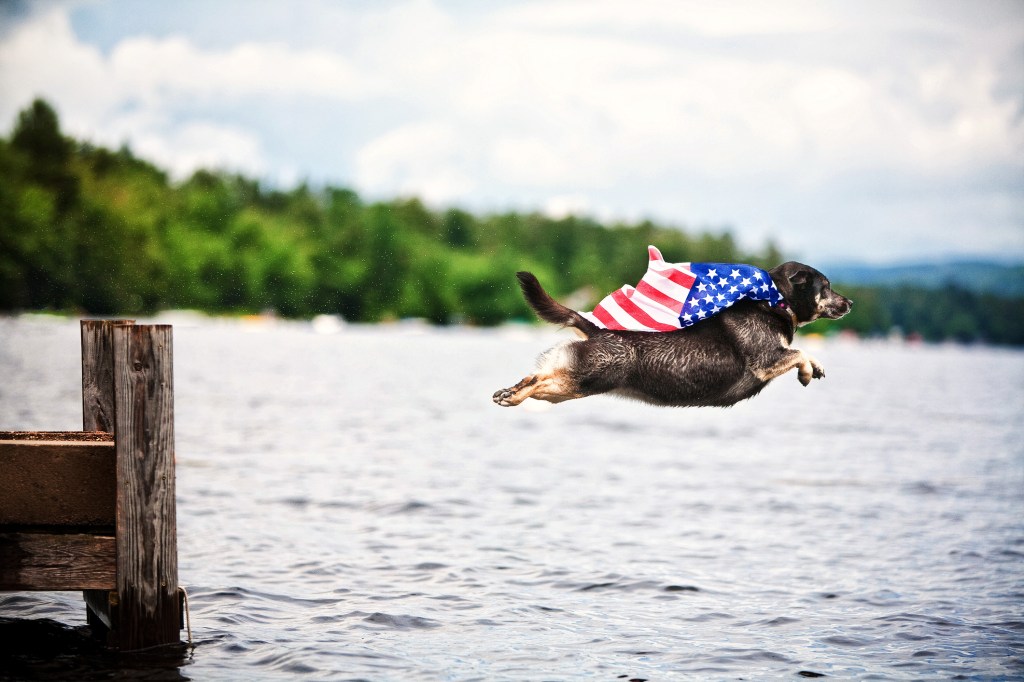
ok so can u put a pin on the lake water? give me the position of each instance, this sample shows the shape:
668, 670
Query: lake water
353, 506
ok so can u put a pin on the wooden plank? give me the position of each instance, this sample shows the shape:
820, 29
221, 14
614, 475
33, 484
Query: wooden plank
98, 373
56, 561
147, 552
57, 435
57, 483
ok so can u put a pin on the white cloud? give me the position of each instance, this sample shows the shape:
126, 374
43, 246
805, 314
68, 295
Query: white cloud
425, 159
695, 112
705, 17
42, 57
555, 93
565, 205
183, 149
530, 161
173, 67
128, 94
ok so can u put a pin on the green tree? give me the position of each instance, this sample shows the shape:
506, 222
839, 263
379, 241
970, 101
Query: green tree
87, 228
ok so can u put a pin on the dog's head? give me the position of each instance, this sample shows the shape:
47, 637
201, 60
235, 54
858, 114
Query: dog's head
808, 293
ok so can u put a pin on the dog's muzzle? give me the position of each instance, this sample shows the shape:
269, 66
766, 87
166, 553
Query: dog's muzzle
838, 307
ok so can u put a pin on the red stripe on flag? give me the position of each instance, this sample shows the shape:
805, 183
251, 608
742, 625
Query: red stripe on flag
605, 317
681, 278
638, 313
659, 296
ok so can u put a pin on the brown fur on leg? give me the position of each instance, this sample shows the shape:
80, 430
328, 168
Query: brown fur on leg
555, 387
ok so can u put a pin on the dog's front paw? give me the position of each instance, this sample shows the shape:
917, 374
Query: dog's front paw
810, 369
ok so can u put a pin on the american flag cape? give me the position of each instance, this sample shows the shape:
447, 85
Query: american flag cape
672, 296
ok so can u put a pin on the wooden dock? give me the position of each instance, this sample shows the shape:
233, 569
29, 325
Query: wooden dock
94, 510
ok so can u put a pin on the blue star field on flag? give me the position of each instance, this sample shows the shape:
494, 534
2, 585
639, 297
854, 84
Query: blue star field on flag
720, 285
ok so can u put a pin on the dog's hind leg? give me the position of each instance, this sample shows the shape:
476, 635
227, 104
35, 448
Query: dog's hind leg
554, 380
554, 387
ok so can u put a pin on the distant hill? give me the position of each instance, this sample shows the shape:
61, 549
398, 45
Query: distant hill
978, 276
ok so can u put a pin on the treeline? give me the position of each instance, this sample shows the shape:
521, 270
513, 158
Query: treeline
104, 232
87, 229
950, 313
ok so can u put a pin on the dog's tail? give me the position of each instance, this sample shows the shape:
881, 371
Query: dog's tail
550, 310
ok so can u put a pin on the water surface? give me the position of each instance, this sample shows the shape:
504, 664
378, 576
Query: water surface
353, 506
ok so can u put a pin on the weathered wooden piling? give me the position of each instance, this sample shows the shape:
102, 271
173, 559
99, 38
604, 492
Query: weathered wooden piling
95, 510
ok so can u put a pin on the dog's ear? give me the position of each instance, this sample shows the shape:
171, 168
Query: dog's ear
791, 276
799, 277
786, 276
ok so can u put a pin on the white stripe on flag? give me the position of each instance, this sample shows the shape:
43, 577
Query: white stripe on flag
667, 286
656, 310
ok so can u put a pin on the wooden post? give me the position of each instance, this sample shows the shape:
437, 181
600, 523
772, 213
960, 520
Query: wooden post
98, 415
147, 554
98, 374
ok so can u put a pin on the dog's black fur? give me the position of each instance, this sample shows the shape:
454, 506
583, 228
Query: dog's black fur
719, 361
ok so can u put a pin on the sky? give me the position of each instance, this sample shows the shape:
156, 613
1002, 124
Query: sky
869, 131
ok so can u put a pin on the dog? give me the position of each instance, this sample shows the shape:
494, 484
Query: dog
717, 362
